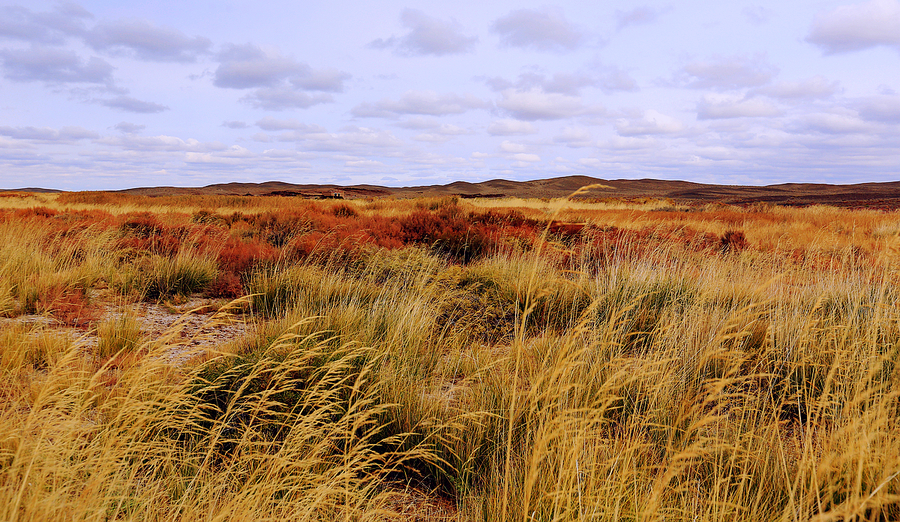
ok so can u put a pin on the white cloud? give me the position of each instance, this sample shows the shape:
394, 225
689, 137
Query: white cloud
529, 158
161, 143
352, 139
438, 131
534, 105
48, 135
427, 35
52, 65
884, 108
858, 26
575, 137
47, 28
813, 88
272, 124
652, 122
538, 29
724, 106
247, 66
129, 128
842, 122
611, 79
280, 81
508, 127
231, 156
146, 41
637, 16
509, 146
284, 98
420, 102
723, 73
757, 14
129, 104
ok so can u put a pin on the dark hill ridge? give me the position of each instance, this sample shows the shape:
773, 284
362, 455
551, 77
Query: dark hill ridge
877, 195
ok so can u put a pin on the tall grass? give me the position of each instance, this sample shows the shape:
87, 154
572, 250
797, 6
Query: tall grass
626, 373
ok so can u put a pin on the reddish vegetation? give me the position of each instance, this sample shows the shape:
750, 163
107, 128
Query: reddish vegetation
320, 232
68, 304
733, 241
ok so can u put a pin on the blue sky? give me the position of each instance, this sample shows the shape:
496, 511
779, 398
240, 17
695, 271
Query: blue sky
107, 95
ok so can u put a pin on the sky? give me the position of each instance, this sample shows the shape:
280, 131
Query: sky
102, 95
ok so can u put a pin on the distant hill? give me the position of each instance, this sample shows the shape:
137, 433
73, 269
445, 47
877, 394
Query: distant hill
35, 190
877, 195
885, 195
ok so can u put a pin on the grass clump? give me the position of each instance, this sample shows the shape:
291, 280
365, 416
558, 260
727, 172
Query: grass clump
118, 334
158, 277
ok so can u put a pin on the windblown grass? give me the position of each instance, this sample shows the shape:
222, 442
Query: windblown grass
631, 367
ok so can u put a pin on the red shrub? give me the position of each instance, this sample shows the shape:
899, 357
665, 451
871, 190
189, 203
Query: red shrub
733, 241
278, 229
344, 211
42, 212
239, 256
227, 284
68, 304
142, 224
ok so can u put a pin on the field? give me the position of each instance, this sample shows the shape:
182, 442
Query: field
215, 357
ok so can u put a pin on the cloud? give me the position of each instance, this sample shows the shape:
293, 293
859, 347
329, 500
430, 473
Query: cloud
838, 122
637, 16
720, 107
611, 79
511, 146
858, 26
652, 122
575, 137
46, 64
607, 78
235, 124
280, 81
160, 143
535, 104
437, 132
419, 123
813, 88
507, 127
756, 14
723, 73
885, 109
323, 80
247, 66
272, 124
351, 139
48, 135
146, 41
565, 83
420, 102
427, 36
284, 98
529, 158
541, 30
129, 128
47, 28
129, 104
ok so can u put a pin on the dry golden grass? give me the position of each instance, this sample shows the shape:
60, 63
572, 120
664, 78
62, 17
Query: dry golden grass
636, 370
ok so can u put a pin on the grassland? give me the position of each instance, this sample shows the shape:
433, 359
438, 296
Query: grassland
429, 359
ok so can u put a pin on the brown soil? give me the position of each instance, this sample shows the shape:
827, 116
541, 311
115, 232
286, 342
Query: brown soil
191, 325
